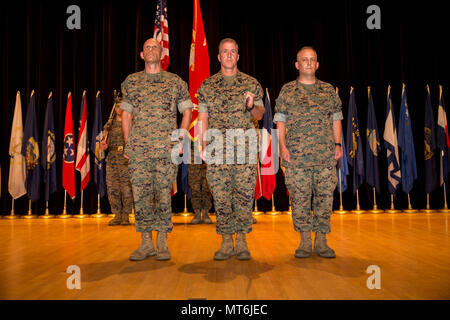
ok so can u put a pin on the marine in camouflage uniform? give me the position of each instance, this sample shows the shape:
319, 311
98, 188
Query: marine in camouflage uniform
201, 198
120, 194
154, 97
309, 119
229, 100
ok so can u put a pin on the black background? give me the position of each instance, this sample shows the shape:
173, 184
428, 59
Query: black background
39, 52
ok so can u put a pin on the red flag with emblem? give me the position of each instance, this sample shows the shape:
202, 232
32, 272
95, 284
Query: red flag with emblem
199, 69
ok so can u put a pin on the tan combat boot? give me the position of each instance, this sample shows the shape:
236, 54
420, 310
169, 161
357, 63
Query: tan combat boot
242, 252
197, 218
125, 219
162, 249
145, 250
321, 247
304, 250
226, 249
205, 218
116, 220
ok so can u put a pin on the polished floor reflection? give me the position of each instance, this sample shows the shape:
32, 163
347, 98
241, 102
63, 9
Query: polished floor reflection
412, 252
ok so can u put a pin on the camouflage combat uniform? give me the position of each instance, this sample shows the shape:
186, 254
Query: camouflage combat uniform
309, 112
154, 99
201, 195
232, 185
118, 183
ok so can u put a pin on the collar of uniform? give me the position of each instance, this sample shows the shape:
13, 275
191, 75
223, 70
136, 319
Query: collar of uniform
316, 86
229, 80
153, 77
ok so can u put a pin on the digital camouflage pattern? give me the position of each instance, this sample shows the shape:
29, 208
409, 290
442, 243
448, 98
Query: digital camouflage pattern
118, 183
301, 181
154, 100
201, 196
309, 114
309, 122
232, 185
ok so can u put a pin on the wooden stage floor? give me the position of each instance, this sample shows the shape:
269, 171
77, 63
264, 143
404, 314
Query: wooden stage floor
411, 250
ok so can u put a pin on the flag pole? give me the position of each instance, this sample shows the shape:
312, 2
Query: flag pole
427, 209
12, 216
81, 215
256, 212
30, 214
186, 213
64, 215
47, 214
99, 212
375, 206
445, 209
410, 209
273, 212
341, 206
392, 209
358, 208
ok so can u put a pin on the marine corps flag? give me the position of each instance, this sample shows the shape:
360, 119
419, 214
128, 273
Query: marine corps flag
199, 68
68, 167
406, 144
431, 179
391, 144
99, 154
354, 144
30, 150
48, 150
372, 147
82, 163
17, 173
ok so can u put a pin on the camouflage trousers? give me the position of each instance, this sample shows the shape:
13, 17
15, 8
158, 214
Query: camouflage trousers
233, 189
201, 196
120, 194
152, 181
302, 183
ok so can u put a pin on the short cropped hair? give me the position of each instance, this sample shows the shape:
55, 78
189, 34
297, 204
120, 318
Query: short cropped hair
305, 48
229, 40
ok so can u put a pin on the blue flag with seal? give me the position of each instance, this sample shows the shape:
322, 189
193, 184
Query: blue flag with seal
431, 179
372, 147
343, 165
354, 144
406, 144
30, 150
48, 155
99, 154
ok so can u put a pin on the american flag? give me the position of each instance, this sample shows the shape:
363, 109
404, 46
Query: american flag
82, 160
161, 31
